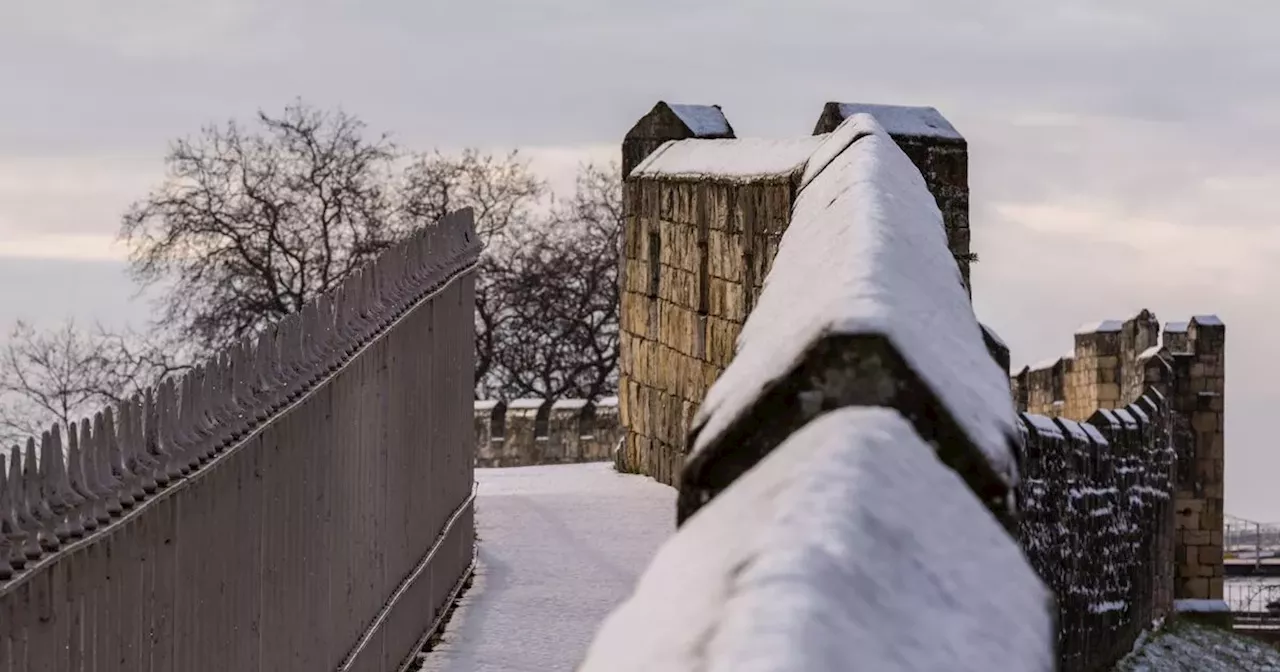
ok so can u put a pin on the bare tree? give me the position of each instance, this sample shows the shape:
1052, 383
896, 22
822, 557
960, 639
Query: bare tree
59, 375
553, 299
505, 196
251, 223
502, 190
249, 226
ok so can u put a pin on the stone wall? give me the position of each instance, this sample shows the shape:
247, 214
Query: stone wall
527, 432
937, 150
1097, 524
848, 499
698, 241
1112, 365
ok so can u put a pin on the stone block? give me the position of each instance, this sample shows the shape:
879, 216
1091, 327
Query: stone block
1195, 589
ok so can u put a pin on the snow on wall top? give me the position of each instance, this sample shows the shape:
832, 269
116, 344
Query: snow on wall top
866, 253
741, 159
1043, 425
1125, 417
1103, 327
1207, 320
1044, 364
534, 404
702, 120
1094, 434
899, 120
815, 560
1176, 327
525, 404
1074, 429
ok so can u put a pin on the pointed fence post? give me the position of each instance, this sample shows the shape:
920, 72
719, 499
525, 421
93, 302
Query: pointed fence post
33, 485
77, 477
28, 530
11, 558
108, 479
63, 501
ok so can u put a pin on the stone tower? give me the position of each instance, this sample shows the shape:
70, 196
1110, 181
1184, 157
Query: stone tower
937, 149
669, 121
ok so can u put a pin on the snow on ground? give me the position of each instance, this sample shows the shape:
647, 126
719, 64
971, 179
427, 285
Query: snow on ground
559, 548
1191, 647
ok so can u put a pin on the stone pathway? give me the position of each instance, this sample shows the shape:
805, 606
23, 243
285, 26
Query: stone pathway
560, 546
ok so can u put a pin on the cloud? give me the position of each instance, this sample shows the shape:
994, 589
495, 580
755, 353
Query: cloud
1122, 154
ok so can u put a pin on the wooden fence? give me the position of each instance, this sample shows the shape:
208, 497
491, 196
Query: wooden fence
303, 502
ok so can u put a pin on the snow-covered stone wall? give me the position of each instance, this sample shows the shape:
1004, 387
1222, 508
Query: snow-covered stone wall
849, 494
526, 432
1113, 364
1097, 523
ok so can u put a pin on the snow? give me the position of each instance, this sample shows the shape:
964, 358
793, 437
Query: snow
486, 404
850, 546
832, 146
1150, 352
1045, 364
1176, 327
1201, 606
607, 401
1125, 418
1137, 412
1105, 326
1094, 434
866, 253
553, 561
1044, 426
735, 159
525, 404
1107, 607
1192, 647
1074, 429
1111, 417
898, 120
1207, 320
567, 404
702, 120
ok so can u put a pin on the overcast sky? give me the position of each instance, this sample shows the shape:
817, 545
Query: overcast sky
1122, 154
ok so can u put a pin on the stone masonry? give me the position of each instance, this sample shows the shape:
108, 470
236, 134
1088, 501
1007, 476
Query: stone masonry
1113, 362
704, 213
526, 432
937, 149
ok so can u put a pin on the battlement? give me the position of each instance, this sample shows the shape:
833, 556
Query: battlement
1113, 364
705, 212
526, 432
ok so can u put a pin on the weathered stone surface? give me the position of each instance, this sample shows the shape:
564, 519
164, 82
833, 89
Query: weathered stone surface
529, 432
813, 561
1180, 371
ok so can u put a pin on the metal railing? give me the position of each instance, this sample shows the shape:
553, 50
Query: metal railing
302, 502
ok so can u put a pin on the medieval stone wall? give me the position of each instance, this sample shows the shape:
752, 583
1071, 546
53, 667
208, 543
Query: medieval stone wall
1097, 524
695, 254
1112, 365
526, 432
696, 250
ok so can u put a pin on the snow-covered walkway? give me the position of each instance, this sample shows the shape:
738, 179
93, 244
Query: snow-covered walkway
559, 547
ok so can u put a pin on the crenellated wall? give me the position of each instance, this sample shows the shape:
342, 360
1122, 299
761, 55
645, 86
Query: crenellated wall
1114, 363
525, 432
1097, 524
704, 214
848, 432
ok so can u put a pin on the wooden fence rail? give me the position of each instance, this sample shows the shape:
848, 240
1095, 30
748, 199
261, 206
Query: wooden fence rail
301, 502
